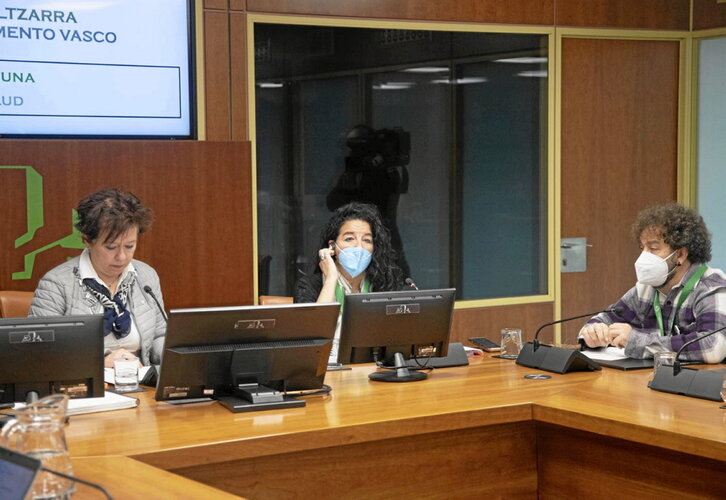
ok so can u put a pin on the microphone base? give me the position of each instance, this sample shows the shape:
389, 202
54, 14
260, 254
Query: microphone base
555, 359
704, 384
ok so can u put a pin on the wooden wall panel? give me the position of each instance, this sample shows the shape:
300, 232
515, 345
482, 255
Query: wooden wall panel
13, 223
643, 14
708, 14
619, 155
217, 78
567, 469
215, 4
474, 11
238, 72
200, 192
489, 321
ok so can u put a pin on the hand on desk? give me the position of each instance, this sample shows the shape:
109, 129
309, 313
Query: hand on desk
602, 335
473, 352
621, 332
118, 354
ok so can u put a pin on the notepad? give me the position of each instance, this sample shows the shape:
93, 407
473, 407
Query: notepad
606, 354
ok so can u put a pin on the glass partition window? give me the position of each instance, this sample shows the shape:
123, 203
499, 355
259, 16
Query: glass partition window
459, 121
711, 147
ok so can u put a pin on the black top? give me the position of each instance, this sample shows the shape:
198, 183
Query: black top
307, 288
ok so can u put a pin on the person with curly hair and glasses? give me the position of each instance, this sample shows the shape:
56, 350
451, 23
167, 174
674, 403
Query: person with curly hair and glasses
354, 255
105, 279
677, 298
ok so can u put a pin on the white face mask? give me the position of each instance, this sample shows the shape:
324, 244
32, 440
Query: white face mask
652, 270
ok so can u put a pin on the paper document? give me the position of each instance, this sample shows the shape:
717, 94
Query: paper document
110, 401
109, 379
605, 354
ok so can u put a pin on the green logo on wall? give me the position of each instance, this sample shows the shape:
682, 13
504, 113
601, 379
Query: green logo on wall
34, 215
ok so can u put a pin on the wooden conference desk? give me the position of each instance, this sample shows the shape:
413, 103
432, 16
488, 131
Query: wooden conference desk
466, 432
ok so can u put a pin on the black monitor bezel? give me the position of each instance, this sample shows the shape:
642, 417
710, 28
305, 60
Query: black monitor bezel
14, 463
359, 331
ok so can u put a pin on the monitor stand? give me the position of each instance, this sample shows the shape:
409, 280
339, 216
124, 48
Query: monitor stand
399, 373
255, 397
31, 397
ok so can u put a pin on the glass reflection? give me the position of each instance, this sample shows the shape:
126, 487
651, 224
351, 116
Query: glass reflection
446, 132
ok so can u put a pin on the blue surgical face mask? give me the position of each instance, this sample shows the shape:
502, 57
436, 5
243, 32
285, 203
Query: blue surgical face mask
354, 260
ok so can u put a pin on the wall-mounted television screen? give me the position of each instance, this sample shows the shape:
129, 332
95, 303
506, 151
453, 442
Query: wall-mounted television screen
97, 68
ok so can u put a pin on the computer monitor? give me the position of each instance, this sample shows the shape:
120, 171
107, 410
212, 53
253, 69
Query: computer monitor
51, 354
390, 327
246, 357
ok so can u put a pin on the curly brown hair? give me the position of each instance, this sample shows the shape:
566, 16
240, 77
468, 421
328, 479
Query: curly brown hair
679, 226
112, 211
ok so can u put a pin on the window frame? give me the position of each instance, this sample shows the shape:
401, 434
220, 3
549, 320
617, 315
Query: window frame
552, 194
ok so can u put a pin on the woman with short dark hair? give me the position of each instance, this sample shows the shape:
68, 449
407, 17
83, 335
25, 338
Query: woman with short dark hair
105, 279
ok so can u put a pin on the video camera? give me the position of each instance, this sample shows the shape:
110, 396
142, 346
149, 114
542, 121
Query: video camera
387, 147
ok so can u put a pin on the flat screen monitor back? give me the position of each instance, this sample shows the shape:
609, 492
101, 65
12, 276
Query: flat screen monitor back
51, 354
415, 323
209, 351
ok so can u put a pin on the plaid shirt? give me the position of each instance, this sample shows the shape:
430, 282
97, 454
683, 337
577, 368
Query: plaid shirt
703, 311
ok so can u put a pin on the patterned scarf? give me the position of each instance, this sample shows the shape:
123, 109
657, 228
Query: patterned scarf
116, 316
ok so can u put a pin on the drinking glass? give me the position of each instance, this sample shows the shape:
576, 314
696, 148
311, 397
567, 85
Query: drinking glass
664, 358
126, 375
511, 343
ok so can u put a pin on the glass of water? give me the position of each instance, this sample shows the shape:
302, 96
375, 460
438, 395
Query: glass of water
663, 358
511, 343
126, 375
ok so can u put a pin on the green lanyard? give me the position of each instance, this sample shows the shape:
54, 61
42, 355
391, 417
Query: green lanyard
687, 289
365, 287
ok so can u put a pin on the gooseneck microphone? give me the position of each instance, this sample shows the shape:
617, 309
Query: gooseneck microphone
676, 363
148, 290
410, 283
535, 342
556, 359
704, 384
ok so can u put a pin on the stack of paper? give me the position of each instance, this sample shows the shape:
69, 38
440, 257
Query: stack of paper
110, 401
108, 375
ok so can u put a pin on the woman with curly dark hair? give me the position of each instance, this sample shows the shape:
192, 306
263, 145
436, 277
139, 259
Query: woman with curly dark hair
355, 255
677, 298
